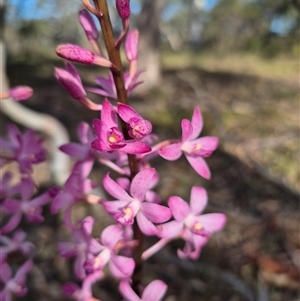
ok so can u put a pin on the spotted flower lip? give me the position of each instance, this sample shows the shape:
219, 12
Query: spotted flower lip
195, 150
110, 137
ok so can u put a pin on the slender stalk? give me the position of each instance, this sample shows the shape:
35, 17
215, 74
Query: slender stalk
115, 58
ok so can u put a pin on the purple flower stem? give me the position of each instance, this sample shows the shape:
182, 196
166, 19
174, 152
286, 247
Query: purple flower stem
117, 72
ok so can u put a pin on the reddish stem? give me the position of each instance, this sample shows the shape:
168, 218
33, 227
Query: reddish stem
115, 58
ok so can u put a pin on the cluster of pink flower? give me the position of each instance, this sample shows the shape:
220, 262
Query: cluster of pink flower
16, 201
136, 207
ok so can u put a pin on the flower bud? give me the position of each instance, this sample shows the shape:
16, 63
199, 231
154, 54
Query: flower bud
123, 8
131, 45
88, 25
78, 54
20, 93
70, 83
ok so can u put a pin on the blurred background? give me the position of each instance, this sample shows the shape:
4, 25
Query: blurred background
239, 61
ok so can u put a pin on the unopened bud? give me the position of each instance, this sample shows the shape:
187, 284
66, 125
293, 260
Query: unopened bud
81, 55
20, 93
131, 45
70, 83
123, 8
88, 25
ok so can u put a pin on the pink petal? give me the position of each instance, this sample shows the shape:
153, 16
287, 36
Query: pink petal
131, 45
156, 213
62, 200
82, 132
213, 221
187, 129
23, 270
141, 182
126, 112
198, 199
108, 114
111, 235
87, 226
78, 266
145, 225
121, 266
72, 69
170, 229
88, 25
197, 123
115, 190
12, 223
127, 292
75, 150
171, 152
207, 145
114, 207
100, 92
199, 165
180, 209
154, 291
136, 147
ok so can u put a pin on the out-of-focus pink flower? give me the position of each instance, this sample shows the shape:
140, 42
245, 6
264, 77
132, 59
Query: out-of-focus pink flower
82, 244
194, 149
127, 207
138, 127
189, 223
120, 266
154, 291
20, 93
110, 138
83, 293
31, 208
14, 285
25, 148
16, 243
108, 88
75, 188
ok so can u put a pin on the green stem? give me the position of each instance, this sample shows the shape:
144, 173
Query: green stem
115, 58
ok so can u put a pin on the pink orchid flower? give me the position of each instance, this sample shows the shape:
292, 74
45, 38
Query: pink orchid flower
14, 285
25, 148
194, 149
154, 291
127, 207
120, 266
83, 244
16, 243
110, 138
189, 223
108, 88
31, 208
83, 293
138, 127
75, 188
